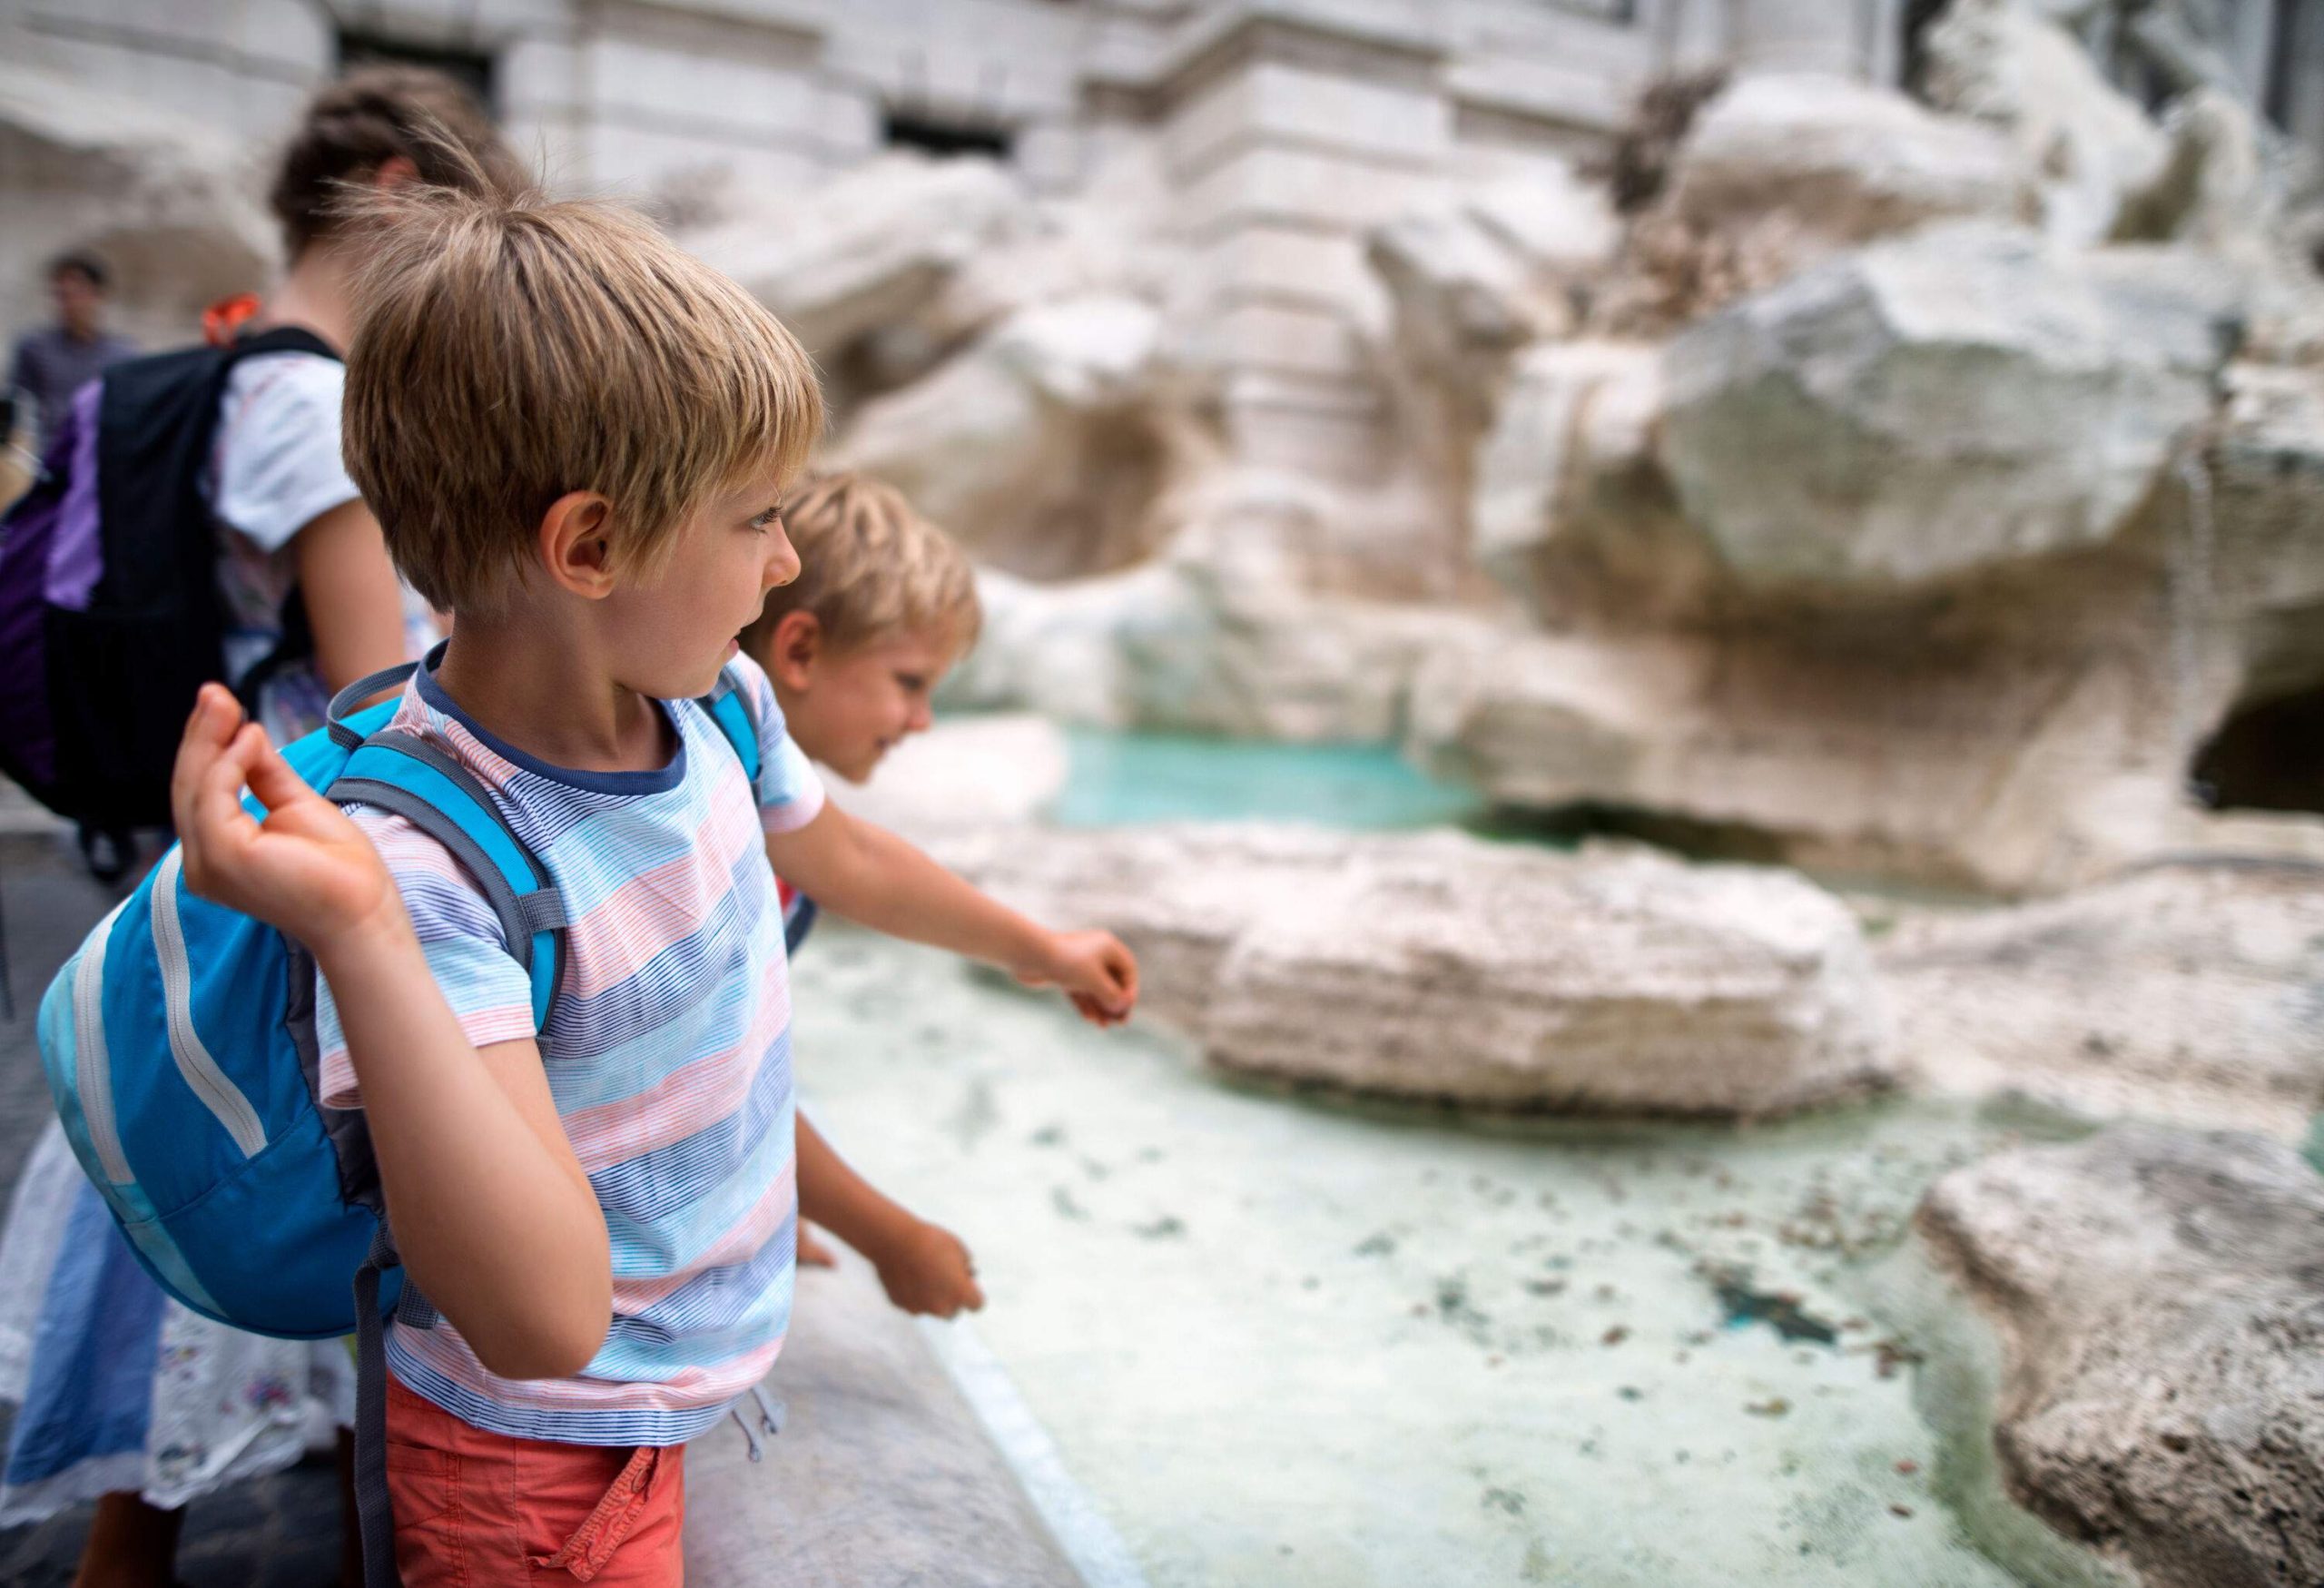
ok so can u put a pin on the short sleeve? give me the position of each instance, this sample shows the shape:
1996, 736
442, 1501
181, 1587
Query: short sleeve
278, 461
790, 790
491, 995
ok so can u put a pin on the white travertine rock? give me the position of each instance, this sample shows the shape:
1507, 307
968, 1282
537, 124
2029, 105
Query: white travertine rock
2159, 1296
1441, 966
869, 247
1176, 644
2088, 146
1872, 421
1047, 446
1837, 160
2265, 556
2181, 991
1482, 270
2024, 746
1569, 494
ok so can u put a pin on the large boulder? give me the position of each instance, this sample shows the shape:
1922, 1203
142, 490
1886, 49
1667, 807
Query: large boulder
1048, 447
1437, 965
2090, 148
2023, 741
1837, 161
1483, 270
2184, 992
1569, 503
2159, 1297
868, 248
1872, 422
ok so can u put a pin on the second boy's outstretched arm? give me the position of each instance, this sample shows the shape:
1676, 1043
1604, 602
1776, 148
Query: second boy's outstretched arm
876, 879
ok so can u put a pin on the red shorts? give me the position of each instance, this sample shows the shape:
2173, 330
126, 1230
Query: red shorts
477, 1509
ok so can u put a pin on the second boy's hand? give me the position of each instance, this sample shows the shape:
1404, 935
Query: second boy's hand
1095, 969
868, 875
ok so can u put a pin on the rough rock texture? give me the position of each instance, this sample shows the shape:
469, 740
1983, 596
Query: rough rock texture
1200, 640
2160, 1299
868, 248
2090, 147
1045, 447
882, 1473
1837, 161
2185, 991
1570, 498
1880, 746
1490, 268
1868, 421
163, 199
1472, 278
2262, 557
1441, 966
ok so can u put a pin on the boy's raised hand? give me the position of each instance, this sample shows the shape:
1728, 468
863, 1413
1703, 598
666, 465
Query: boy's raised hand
1093, 969
306, 869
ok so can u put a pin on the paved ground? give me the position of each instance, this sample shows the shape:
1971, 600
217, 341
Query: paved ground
281, 1533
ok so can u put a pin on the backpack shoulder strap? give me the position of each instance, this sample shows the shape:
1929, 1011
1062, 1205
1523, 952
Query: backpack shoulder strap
730, 707
402, 773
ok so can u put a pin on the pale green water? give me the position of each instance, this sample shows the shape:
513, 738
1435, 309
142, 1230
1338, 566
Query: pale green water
1117, 779
1283, 1342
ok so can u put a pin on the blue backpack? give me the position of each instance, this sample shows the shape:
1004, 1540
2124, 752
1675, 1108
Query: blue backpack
179, 1043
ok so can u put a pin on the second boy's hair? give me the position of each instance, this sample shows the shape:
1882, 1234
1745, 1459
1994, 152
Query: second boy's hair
870, 568
507, 351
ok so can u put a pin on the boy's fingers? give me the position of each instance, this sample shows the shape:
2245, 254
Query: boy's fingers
269, 776
209, 726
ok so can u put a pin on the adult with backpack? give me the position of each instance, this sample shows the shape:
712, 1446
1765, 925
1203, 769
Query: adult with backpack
195, 522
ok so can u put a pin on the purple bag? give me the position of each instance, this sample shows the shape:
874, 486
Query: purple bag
110, 617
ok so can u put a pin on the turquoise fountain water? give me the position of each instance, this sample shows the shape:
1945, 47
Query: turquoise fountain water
1283, 1341
1122, 778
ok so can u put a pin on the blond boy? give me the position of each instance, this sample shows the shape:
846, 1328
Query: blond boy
575, 438
883, 606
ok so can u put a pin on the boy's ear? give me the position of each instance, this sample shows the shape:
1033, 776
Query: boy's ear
394, 171
572, 544
794, 649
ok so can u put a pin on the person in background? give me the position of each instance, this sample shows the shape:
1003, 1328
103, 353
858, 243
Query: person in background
56, 361
124, 1396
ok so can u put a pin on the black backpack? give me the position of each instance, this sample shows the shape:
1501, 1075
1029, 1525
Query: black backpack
110, 618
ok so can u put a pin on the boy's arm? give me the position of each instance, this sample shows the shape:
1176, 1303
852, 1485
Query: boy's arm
923, 1269
495, 1220
874, 878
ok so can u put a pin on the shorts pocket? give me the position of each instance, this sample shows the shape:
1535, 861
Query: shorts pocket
423, 1484
625, 1502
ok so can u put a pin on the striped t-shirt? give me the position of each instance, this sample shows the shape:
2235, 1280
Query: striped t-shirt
667, 1049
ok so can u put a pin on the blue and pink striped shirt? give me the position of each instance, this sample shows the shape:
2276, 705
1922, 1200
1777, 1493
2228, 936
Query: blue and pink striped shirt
667, 1049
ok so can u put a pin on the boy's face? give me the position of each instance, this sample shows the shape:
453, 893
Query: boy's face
676, 633
848, 709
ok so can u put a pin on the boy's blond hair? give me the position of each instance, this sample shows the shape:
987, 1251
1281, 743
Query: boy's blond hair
509, 351
870, 568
